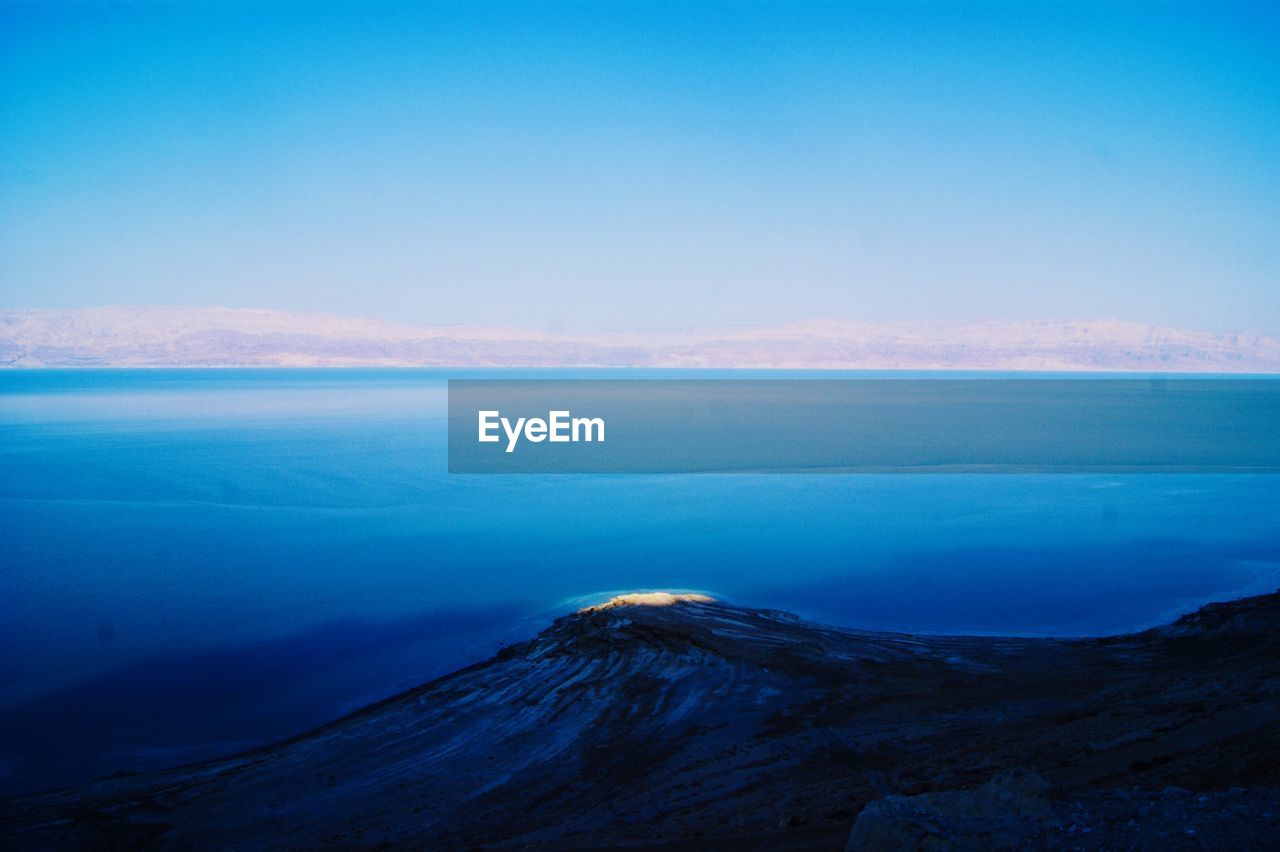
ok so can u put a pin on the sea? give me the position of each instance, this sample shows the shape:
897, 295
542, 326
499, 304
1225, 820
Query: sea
199, 562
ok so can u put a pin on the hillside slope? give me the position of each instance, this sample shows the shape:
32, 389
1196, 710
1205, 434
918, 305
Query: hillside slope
687, 723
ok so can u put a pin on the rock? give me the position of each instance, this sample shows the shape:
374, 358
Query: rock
1000, 814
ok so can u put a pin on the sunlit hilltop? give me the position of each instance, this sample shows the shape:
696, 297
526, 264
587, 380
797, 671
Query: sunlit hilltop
649, 599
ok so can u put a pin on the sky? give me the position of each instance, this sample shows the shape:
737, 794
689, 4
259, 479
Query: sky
595, 166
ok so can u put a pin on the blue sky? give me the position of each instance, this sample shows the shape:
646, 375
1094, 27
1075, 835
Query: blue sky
603, 166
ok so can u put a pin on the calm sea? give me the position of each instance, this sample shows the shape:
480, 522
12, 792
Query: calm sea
196, 562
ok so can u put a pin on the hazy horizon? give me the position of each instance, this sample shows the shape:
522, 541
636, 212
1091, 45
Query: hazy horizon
673, 326
593, 167
212, 336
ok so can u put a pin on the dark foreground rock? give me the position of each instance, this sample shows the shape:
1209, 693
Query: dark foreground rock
1005, 813
698, 725
1019, 809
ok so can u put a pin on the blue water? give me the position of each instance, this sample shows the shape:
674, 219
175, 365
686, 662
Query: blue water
195, 562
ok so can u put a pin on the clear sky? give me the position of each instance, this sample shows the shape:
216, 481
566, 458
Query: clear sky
602, 166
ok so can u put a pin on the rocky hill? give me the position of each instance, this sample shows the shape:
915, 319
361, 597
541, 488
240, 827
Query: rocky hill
676, 722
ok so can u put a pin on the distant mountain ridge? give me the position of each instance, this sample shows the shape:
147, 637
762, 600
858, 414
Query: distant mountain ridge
228, 337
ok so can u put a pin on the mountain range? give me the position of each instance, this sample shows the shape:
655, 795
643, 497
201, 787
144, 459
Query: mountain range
226, 337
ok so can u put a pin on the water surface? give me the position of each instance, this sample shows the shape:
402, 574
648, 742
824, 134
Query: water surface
195, 562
